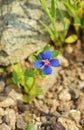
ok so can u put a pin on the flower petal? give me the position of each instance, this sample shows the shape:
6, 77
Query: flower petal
41, 55
47, 70
38, 63
54, 62
47, 54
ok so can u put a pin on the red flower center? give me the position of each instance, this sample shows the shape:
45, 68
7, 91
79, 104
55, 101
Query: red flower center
46, 62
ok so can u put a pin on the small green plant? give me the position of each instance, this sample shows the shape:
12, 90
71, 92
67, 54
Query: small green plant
75, 9
30, 127
56, 37
26, 79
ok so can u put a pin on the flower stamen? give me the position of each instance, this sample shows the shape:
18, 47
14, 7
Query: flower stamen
46, 62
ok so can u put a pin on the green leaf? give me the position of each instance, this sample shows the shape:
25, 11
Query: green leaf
70, 9
45, 7
30, 126
55, 53
27, 98
48, 29
15, 78
17, 68
18, 75
81, 4
53, 9
28, 82
40, 73
29, 73
71, 39
36, 91
33, 57
47, 47
77, 21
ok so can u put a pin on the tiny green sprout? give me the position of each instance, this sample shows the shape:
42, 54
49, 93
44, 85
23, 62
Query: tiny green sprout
26, 79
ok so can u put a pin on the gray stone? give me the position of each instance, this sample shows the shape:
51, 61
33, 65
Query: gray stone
21, 34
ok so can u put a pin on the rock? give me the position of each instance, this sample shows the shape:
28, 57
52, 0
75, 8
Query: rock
69, 49
65, 95
65, 106
1, 120
10, 118
81, 76
1, 112
63, 61
20, 30
22, 34
37, 126
5, 127
15, 95
81, 85
76, 115
80, 103
43, 119
49, 95
7, 102
69, 124
49, 81
27, 116
21, 124
2, 85
13, 92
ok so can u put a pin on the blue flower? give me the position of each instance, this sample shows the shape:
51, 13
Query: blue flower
46, 61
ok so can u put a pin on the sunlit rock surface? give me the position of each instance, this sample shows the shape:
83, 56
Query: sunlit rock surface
20, 31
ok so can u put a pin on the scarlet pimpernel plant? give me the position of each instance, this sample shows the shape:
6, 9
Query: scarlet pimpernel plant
44, 60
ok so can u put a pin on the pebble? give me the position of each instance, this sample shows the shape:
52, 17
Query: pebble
69, 124
65, 95
5, 127
10, 117
15, 95
63, 61
80, 103
7, 102
76, 115
27, 116
81, 75
21, 124
1, 120
49, 95
65, 106
1, 112
43, 119
37, 126
69, 49
81, 84
2, 86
